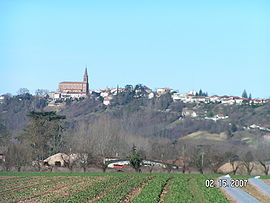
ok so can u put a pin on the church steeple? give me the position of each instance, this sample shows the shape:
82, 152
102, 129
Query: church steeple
85, 77
85, 80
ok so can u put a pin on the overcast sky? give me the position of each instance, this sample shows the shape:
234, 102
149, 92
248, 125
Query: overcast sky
222, 47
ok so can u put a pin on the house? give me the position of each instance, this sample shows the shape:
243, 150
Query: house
107, 100
162, 91
192, 92
214, 99
54, 95
229, 101
189, 113
241, 101
180, 97
200, 99
2, 98
221, 116
217, 117
258, 101
151, 95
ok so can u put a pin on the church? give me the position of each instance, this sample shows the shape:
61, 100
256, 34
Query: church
75, 89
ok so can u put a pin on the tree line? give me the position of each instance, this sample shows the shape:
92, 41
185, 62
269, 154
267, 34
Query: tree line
46, 134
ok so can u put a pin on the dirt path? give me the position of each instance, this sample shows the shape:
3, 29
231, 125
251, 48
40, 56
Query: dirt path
58, 189
267, 181
227, 196
135, 192
164, 190
12, 179
9, 177
29, 186
100, 195
86, 184
20, 182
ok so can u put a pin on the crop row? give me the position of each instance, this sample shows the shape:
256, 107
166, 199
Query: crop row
120, 192
24, 183
92, 191
178, 191
69, 188
211, 194
152, 190
13, 180
31, 190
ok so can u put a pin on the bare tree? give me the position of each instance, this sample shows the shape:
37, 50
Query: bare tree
216, 159
18, 156
247, 160
41, 92
198, 158
233, 159
23, 91
262, 154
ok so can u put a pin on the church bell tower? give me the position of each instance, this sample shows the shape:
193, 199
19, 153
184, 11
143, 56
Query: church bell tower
85, 79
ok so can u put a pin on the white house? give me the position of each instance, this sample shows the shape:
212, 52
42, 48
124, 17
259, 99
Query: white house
2, 98
107, 100
189, 113
161, 91
151, 95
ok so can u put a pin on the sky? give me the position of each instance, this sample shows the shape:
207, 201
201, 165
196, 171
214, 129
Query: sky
221, 47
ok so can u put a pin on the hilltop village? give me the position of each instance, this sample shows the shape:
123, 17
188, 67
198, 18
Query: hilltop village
79, 90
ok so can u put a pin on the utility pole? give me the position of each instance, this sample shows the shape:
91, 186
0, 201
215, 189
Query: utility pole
202, 155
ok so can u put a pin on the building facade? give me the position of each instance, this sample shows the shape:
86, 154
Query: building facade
75, 89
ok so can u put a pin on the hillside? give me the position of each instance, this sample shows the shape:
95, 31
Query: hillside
157, 117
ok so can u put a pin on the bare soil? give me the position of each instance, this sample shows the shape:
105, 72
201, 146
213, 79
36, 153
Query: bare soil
29, 186
164, 190
62, 188
100, 195
227, 195
136, 191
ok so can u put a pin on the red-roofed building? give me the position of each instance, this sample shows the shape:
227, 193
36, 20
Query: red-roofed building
75, 89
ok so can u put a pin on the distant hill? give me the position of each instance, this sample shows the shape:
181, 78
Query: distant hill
156, 117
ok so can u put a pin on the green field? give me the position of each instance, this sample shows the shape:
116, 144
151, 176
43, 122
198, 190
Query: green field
107, 187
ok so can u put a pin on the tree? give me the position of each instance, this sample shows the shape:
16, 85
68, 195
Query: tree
209, 114
250, 97
129, 88
43, 133
23, 91
234, 127
233, 159
244, 94
4, 134
41, 92
262, 154
200, 93
248, 159
18, 156
198, 159
84, 160
216, 159
135, 159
